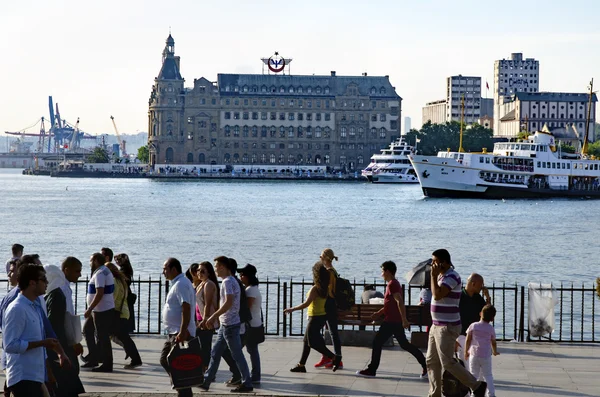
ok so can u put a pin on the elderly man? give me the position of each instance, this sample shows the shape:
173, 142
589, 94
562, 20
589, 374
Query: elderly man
471, 304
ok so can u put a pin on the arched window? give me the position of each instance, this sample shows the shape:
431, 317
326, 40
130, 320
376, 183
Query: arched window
190, 158
273, 131
382, 133
300, 132
227, 131
290, 132
317, 132
373, 90
373, 132
254, 131
309, 159
342, 160
227, 158
360, 159
236, 158
361, 132
300, 159
169, 155
254, 158
318, 159
299, 90
272, 158
245, 88
327, 132
309, 89
291, 89
291, 159
263, 88
263, 158
327, 159
281, 159
282, 89
343, 132
309, 132
352, 132
263, 131
245, 131
245, 158
282, 132
382, 90
236, 131
201, 158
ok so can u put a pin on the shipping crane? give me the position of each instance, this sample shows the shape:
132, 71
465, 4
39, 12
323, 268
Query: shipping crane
121, 142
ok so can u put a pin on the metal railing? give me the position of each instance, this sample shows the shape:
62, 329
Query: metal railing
574, 313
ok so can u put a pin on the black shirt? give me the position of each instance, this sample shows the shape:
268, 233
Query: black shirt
470, 307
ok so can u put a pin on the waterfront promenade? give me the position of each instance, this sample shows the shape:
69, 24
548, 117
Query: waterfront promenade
521, 370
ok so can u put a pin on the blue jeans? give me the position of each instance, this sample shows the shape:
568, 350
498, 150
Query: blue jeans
255, 360
228, 337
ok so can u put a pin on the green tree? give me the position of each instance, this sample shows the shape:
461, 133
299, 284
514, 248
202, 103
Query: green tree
594, 149
440, 137
98, 155
566, 148
143, 154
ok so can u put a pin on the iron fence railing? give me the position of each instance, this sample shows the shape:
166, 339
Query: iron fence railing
574, 312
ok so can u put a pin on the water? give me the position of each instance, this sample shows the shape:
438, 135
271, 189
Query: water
281, 227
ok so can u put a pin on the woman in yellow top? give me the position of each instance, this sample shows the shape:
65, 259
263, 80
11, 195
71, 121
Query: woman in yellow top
121, 328
327, 257
315, 301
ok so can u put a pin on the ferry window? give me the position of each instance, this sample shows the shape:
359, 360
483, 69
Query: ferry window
595, 167
481, 159
553, 165
548, 164
563, 166
543, 165
586, 167
538, 164
568, 166
487, 160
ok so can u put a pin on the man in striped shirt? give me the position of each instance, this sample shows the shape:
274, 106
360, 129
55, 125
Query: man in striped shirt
445, 314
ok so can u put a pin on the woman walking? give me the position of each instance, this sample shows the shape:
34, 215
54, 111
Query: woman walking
317, 317
327, 257
122, 260
120, 329
254, 328
207, 300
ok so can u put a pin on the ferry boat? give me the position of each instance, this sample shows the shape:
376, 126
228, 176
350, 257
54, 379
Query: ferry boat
533, 168
392, 165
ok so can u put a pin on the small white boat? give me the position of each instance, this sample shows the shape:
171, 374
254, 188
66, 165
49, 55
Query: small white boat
392, 165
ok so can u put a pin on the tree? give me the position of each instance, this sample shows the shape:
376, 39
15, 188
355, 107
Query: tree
441, 137
564, 148
143, 154
594, 149
99, 155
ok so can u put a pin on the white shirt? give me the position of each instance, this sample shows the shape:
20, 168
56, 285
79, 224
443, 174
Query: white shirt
253, 292
102, 278
230, 286
181, 291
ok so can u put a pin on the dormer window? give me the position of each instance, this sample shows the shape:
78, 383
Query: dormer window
299, 90
309, 90
291, 89
263, 88
282, 89
318, 90
245, 88
327, 90
236, 88
382, 90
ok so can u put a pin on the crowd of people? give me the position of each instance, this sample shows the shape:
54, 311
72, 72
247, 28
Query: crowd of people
42, 335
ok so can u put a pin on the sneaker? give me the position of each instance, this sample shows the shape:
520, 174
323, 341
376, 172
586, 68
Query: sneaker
242, 389
337, 363
424, 374
233, 382
133, 364
330, 365
299, 368
324, 361
480, 391
365, 373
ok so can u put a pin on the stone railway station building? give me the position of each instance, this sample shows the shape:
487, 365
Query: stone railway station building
270, 119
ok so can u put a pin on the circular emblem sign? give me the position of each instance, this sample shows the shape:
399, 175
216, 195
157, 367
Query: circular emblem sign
276, 63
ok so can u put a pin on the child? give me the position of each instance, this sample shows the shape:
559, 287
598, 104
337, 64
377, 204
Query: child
480, 345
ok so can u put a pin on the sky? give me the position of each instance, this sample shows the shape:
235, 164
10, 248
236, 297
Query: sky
99, 59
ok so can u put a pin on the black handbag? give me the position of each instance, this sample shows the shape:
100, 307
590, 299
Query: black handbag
255, 335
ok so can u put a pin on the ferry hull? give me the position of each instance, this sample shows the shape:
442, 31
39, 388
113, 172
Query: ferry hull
495, 192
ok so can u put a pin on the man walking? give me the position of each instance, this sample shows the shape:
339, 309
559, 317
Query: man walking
229, 331
177, 313
100, 316
445, 314
471, 304
394, 322
24, 336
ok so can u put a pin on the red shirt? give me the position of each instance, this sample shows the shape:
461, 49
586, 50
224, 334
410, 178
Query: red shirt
390, 306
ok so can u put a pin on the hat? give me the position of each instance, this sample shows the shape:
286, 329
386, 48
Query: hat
248, 270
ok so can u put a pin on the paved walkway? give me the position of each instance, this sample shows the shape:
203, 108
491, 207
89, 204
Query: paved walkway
521, 369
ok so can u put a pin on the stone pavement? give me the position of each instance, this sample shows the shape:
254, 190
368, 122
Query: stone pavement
521, 369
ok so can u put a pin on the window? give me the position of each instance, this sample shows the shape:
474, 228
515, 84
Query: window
245, 115
236, 115
373, 117
291, 116
227, 131
343, 132
282, 132
308, 132
300, 133
227, 115
254, 115
272, 159
373, 133
245, 131
190, 120
308, 116
254, 131
273, 132
318, 116
352, 132
318, 132
300, 116
382, 133
273, 116
236, 131
281, 116
290, 132
263, 115
263, 131
327, 116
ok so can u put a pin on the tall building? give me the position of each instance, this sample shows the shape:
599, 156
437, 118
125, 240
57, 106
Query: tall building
562, 113
510, 77
407, 125
435, 112
271, 119
467, 88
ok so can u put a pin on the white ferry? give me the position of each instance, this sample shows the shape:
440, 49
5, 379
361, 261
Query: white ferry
392, 165
529, 169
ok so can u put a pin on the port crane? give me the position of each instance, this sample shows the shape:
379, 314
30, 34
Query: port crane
61, 134
121, 142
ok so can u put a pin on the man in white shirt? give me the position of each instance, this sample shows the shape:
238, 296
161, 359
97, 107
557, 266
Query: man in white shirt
177, 313
229, 331
100, 316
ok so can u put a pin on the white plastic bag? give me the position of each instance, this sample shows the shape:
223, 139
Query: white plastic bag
541, 309
375, 301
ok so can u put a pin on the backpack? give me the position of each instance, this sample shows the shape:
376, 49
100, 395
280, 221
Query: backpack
344, 294
245, 315
451, 386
